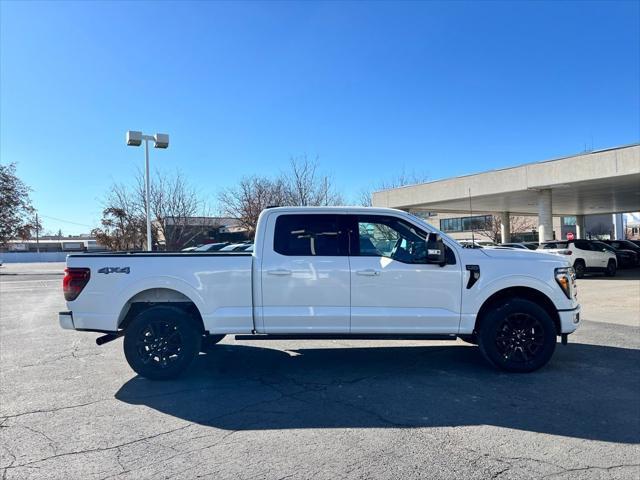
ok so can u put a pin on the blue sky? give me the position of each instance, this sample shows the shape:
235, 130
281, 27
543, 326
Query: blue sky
369, 88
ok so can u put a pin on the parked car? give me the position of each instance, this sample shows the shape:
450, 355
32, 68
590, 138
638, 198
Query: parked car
623, 245
521, 245
325, 272
635, 242
234, 247
211, 247
625, 258
476, 243
584, 255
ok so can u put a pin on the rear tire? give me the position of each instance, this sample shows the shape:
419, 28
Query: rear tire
580, 268
611, 269
472, 339
517, 336
161, 342
209, 341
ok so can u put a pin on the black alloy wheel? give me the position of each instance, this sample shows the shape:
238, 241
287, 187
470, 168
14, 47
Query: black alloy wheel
520, 338
161, 342
517, 335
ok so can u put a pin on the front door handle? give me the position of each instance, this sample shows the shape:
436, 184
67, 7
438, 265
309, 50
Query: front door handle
370, 272
279, 271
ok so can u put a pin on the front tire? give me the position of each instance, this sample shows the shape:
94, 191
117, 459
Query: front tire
161, 342
517, 336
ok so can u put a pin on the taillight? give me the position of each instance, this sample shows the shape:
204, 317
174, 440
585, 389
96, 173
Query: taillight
74, 281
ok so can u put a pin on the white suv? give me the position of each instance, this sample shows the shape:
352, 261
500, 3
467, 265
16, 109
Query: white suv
585, 256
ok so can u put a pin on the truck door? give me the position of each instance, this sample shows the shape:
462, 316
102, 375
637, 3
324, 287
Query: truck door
305, 275
393, 290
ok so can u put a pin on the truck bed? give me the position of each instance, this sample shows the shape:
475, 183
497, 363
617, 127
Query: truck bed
219, 284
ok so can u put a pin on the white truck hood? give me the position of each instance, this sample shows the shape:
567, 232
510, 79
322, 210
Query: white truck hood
519, 254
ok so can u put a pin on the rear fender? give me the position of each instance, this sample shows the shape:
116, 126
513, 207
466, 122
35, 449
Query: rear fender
163, 285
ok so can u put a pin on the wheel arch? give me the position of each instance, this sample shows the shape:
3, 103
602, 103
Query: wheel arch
158, 296
527, 293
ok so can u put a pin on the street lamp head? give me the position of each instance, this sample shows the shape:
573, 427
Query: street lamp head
161, 140
134, 138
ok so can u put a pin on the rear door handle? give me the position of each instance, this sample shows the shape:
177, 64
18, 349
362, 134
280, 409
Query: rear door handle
280, 271
368, 273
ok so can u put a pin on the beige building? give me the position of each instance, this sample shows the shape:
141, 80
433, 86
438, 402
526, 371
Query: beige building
557, 196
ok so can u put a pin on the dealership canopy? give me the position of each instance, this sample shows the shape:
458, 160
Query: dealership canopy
604, 181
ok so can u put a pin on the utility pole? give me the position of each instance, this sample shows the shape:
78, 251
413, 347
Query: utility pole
37, 234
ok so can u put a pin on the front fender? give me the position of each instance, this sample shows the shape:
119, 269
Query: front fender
508, 281
474, 298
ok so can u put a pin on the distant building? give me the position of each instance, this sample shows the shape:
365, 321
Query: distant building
81, 243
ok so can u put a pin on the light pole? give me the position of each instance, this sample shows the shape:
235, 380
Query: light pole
160, 140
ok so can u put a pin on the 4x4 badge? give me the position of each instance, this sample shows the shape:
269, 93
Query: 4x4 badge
108, 270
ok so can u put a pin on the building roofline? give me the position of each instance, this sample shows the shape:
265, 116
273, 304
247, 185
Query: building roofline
620, 147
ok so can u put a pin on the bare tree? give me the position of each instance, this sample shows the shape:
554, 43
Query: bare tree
16, 212
123, 223
301, 185
177, 209
253, 194
305, 187
174, 204
399, 180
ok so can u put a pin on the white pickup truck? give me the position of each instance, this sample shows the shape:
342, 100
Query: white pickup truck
318, 273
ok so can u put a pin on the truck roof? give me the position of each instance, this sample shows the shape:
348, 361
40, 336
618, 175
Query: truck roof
338, 209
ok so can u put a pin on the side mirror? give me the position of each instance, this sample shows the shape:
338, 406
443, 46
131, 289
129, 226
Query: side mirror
436, 250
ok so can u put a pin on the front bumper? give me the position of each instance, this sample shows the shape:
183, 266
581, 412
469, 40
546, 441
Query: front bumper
65, 319
569, 320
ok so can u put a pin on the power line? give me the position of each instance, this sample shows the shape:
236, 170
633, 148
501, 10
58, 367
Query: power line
66, 221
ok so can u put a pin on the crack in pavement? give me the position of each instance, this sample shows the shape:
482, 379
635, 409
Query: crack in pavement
66, 407
102, 449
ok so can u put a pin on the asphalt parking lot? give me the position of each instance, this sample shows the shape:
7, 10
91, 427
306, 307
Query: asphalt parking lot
325, 409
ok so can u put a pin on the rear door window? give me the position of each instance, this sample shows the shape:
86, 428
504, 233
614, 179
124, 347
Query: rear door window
582, 245
309, 235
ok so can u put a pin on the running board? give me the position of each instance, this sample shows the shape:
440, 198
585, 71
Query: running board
346, 336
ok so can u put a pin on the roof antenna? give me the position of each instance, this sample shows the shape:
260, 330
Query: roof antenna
473, 240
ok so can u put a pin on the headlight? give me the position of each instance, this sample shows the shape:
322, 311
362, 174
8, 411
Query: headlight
564, 277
